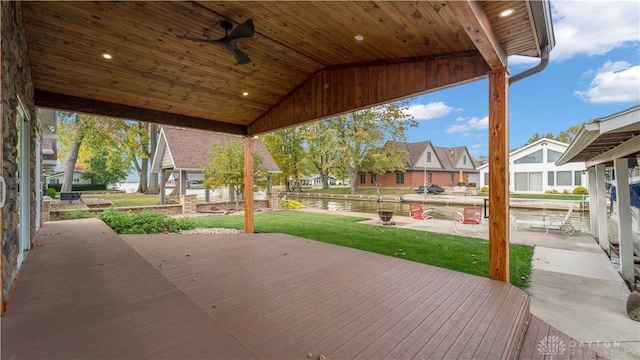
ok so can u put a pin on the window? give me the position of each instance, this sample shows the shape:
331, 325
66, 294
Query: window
528, 181
464, 159
486, 179
400, 178
532, 158
373, 178
363, 179
577, 178
553, 156
428, 156
551, 175
564, 178
429, 177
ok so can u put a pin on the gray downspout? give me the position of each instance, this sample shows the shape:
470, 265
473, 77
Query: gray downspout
544, 61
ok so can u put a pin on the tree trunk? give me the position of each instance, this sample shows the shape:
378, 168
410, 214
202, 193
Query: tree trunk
70, 163
325, 179
153, 186
353, 177
144, 171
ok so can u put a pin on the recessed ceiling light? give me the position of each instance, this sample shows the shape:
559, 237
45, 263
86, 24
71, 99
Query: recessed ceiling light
107, 56
506, 13
359, 37
245, 93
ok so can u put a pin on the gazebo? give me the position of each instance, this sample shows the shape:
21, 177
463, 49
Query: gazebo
180, 63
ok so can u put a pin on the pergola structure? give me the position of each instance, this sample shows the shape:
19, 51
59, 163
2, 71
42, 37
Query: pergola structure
309, 60
610, 141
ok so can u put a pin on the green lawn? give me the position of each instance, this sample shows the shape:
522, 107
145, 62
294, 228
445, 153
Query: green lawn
460, 253
361, 191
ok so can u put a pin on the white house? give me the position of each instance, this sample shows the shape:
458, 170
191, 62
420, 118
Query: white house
315, 180
532, 169
78, 178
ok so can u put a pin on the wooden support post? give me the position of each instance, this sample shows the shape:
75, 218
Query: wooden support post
248, 185
601, 209
622, 206
499, 175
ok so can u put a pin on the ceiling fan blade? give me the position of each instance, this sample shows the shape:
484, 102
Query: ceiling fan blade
243, 30
241, 57
195, 39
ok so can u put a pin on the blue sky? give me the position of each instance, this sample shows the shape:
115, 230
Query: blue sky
594, 72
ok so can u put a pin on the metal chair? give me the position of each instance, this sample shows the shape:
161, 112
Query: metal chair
469, 216
417, 212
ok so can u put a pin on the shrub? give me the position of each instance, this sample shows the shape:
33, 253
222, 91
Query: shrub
553, 191
51, 193
565, 191
143, 223
484, 189
472, 184
580, 190
79, 187
291, 204
75, 214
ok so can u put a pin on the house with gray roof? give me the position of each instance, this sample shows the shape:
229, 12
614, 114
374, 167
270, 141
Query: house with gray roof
427, 164
186, 152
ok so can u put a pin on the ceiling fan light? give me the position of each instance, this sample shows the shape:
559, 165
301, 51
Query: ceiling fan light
507, 12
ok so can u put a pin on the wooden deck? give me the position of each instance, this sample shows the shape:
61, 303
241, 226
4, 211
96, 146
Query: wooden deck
87, 293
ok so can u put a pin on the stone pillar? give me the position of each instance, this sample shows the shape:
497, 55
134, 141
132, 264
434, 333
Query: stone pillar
188, 203
46, 210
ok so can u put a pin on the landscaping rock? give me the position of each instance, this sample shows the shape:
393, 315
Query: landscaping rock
633, 306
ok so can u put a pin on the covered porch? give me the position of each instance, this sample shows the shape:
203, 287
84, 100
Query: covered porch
88, 293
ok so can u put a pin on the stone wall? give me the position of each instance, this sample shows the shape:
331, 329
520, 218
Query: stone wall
16, 83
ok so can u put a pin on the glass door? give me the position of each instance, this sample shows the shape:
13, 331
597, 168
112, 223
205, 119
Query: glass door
22, 123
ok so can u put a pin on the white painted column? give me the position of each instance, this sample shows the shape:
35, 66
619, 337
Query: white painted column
603, 235
623, 208
163, 188
593, 201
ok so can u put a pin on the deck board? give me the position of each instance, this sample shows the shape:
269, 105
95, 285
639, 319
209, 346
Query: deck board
88, 293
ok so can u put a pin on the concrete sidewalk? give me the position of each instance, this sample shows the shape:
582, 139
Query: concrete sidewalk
574, 287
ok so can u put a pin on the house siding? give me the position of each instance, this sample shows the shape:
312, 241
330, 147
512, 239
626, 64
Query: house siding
535, 177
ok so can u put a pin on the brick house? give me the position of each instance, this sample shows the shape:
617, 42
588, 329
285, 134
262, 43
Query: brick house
427, 163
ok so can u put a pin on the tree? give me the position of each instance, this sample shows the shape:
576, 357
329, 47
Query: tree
482, 159
226, 168
135, 137
321, 150
104, 168
286, 148
81, 136
568, 135
153, 188
361, 137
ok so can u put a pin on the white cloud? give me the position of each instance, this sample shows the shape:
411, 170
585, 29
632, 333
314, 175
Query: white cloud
593, 27
430, 111
469, 124
614, 82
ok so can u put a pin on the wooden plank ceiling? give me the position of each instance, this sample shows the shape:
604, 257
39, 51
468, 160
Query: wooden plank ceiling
306, 63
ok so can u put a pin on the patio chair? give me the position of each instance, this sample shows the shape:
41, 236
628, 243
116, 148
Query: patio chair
469, 216
417, 212
547, 222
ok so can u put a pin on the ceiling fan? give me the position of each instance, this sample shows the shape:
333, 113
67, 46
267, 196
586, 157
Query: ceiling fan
244, 30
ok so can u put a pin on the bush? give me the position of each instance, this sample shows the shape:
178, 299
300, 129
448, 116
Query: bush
51, 193
484, 189
580, 190
75, 214
553, 191
565, 191
291, 204
472, 184
143, 223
